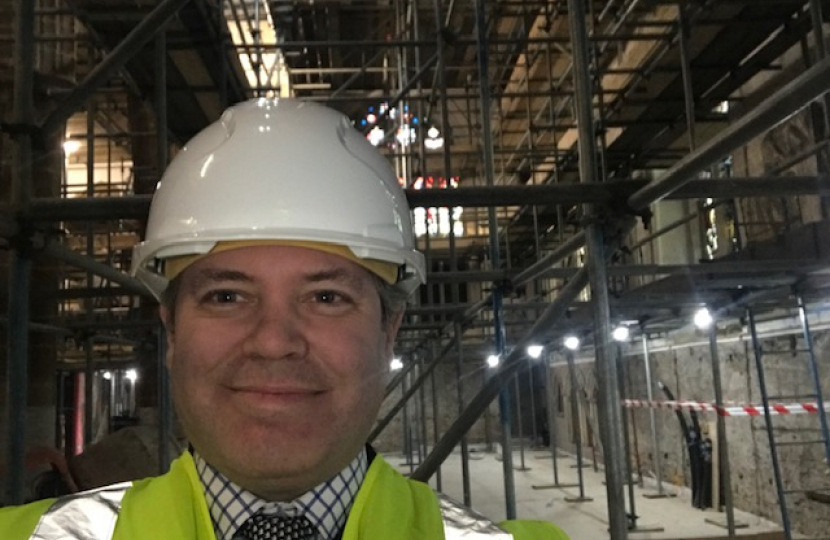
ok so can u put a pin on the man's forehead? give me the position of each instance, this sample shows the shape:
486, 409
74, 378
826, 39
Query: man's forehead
388, 272
247, 263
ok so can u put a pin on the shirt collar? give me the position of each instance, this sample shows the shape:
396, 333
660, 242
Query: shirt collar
326, 505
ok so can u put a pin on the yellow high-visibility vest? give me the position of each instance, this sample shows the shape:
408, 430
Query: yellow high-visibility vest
173, 506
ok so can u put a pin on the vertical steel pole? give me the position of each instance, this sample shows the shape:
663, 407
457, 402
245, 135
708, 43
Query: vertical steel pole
416, 422
257, 35
504, 417
518, 397
488, 421
577, 427
684, 34
537, 247
133, 397
89, 305
723, 448
415, 413
551, 420
555, 142
533, 428
430, 293
458, 331
655, 441
435, 430
552, 429
17, 331
817, 18
686, 74
632, 418
601, 130
60, 438
160, 98
632, 513
534, 433
407, 441
406, 155
165, 403
773, 449
18, 376
465, 450
115, 394
422, 397
609, 413
816, 376
165, 409
498, 311
222, 50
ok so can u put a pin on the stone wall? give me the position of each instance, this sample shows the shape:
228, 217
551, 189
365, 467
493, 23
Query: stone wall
685, 367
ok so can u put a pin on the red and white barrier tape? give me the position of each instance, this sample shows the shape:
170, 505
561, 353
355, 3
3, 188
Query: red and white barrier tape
730, 410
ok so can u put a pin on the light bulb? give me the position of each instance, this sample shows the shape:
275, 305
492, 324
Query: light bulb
572, 342
703, 319
71, 146
621, 333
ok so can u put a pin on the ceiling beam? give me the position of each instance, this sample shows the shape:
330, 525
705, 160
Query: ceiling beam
137, 207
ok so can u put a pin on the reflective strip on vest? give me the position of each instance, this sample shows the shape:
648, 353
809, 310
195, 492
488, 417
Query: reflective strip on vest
90, 515
462, 523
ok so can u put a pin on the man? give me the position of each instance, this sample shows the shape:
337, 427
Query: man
280, 247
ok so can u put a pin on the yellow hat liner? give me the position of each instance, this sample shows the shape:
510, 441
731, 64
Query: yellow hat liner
387, 271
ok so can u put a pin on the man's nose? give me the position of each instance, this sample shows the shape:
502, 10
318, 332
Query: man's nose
276, 332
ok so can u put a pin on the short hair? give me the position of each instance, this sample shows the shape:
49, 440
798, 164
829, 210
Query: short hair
392, 298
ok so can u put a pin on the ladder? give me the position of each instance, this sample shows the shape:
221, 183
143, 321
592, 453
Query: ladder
776, 446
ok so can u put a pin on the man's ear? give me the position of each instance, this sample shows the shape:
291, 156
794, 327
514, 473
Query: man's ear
169, 334
392, 326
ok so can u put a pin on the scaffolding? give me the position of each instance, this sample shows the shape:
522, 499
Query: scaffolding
571, 164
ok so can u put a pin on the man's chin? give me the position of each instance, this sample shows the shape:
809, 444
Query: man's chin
279, 481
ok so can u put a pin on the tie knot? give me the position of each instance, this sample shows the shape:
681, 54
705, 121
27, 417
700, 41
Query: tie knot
274, 527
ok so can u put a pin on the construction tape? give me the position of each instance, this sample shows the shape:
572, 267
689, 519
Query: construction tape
730, 410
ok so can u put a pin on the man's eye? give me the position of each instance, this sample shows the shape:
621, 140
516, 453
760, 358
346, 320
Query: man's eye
223, 297
328, 297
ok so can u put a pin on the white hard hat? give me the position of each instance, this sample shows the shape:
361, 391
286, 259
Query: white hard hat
279, 169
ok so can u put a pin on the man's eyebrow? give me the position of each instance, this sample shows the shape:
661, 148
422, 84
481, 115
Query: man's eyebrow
208, 275
336, 274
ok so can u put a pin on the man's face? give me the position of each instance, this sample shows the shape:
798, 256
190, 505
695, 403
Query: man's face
278, 358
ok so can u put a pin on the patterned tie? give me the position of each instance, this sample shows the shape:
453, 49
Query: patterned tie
273, 527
